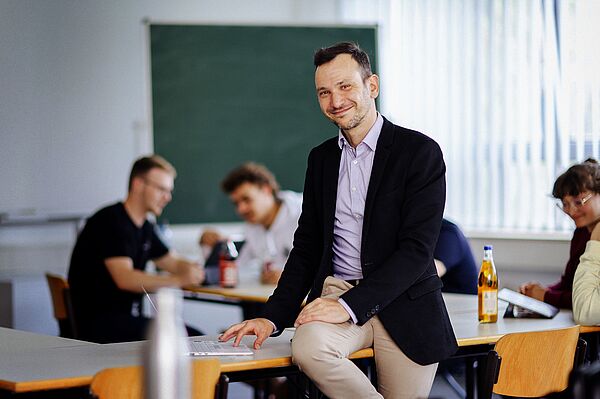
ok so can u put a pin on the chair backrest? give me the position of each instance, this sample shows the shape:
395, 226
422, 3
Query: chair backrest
536, 363
127, 382
118, 382
61, 303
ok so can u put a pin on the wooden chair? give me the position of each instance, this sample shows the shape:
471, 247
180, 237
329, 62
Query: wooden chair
127, 382
61, 302
533, 364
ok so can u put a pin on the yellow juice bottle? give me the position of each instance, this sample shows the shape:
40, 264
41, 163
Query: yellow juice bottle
487, 288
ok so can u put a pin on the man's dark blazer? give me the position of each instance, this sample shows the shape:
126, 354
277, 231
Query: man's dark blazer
402, 218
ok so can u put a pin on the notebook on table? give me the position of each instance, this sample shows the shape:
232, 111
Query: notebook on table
521, 306
217, 348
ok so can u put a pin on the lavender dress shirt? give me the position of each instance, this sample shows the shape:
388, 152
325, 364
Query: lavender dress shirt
353, 183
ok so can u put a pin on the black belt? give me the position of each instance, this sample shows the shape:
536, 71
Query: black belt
353, 283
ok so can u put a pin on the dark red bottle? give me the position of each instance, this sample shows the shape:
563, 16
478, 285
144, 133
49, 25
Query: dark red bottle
227, 267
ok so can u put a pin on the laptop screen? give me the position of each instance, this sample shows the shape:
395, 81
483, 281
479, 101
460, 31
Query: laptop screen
211, 266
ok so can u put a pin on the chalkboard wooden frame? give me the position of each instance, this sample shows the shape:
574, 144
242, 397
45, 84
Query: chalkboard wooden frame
224, 95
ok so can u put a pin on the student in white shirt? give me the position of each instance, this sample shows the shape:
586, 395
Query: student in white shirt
586, 284
271, 218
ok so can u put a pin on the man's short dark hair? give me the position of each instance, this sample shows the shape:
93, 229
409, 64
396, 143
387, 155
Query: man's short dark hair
143, 165
326, 54
249, 172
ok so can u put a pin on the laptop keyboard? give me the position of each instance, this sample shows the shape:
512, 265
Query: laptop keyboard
218, 348
208, 346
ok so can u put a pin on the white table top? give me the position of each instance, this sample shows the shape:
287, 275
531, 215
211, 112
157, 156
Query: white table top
12, 340
463, 315
44, 365
31, 361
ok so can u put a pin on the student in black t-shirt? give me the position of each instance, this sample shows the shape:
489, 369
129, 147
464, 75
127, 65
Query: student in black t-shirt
107, 275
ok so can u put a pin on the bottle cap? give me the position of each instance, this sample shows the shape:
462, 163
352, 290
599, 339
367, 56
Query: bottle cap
232, 249
487, 247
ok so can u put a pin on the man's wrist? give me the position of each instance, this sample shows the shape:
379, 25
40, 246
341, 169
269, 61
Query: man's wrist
347, 308
275, 330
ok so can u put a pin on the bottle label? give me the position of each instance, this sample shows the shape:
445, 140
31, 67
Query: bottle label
228, 273
490, 302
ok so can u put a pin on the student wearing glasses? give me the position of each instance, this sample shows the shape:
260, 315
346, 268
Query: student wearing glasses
577, 191
107, 276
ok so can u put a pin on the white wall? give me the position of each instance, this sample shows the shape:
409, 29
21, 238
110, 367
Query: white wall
74, 112
74, 108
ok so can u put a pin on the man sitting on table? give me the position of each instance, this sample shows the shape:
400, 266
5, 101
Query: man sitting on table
363, 251
586, 284
107, 275
271, 218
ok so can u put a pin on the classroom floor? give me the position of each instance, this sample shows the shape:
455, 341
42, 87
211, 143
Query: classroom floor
440, 390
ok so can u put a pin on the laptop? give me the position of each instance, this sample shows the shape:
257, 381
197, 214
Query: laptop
217, 348
211, 266
210, 348
521, 306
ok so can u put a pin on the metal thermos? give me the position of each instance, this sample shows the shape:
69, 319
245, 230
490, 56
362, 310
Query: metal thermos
167, 368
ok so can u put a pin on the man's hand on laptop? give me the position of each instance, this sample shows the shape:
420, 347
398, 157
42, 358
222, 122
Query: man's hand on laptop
262, 328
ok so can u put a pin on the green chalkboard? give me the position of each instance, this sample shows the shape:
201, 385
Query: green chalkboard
224, 95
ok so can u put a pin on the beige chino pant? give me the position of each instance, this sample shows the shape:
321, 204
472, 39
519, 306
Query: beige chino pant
321, 351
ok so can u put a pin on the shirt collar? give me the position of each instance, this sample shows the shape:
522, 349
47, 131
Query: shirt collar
370, 139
